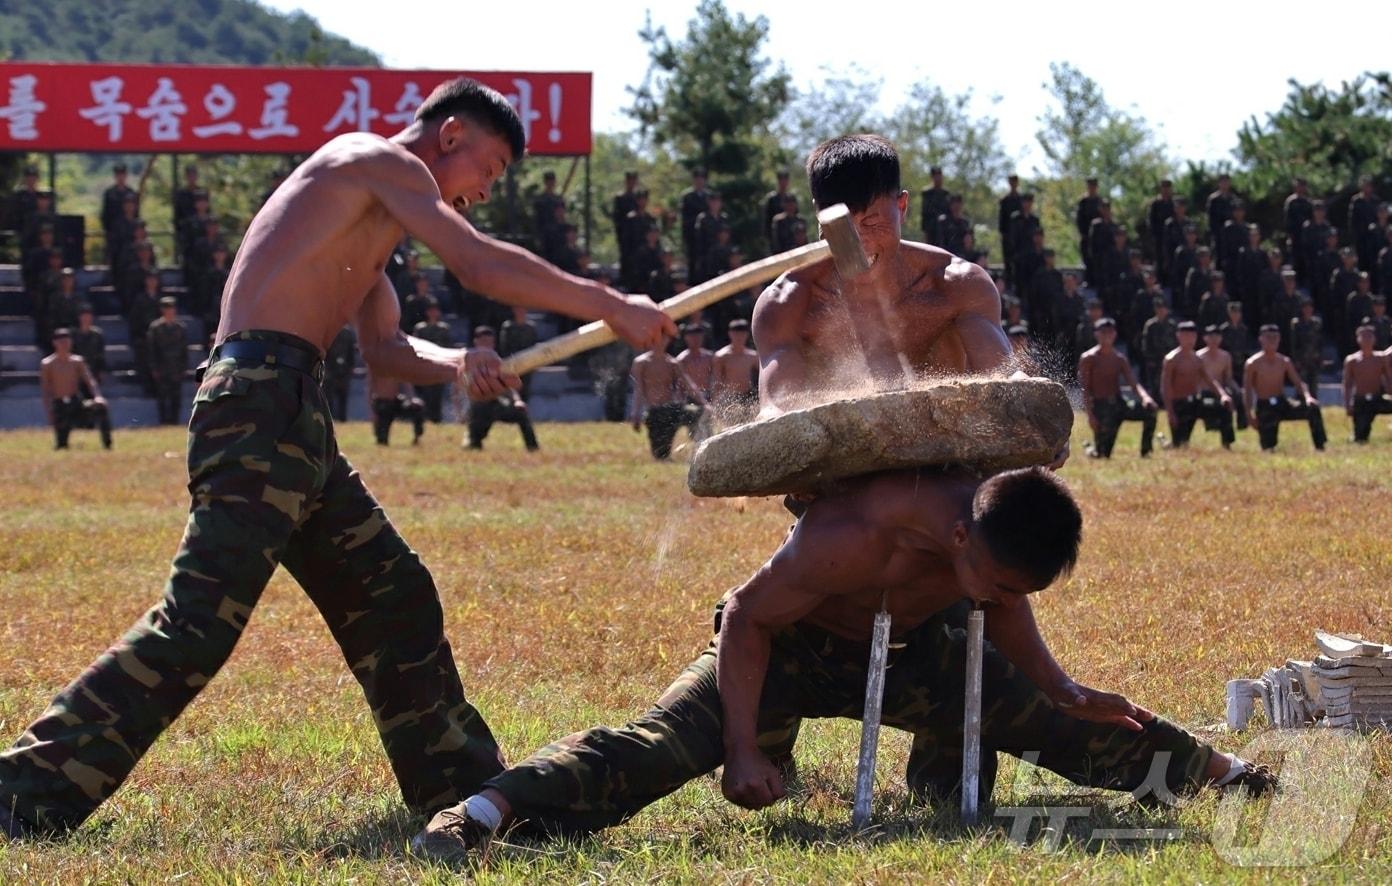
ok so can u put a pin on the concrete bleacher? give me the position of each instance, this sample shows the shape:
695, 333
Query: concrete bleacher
556, 395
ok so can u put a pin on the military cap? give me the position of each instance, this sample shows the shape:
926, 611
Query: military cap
1187, 326
1270, 327
1104, 323
169, 301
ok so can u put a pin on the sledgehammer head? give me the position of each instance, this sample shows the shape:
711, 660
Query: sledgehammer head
840, 234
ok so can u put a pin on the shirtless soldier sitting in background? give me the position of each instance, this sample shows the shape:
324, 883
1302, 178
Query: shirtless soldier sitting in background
1264, 393
792, 641
270, 485
62, 376
1367, 382
1101, 372
662, 395
1182, 379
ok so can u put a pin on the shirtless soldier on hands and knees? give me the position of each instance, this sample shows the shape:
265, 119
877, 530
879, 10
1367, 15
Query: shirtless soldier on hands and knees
270, 485
792, 641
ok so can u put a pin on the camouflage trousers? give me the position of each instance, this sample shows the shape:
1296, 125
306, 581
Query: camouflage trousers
269, 486
603, 776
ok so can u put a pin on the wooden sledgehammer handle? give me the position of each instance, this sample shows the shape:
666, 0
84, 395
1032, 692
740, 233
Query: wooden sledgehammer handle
839, 237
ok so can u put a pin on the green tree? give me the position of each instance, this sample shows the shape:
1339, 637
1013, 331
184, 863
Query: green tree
843, 102
710, 98
1082, 135
934, 128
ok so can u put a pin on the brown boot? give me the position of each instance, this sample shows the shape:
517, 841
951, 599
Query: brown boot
451, 836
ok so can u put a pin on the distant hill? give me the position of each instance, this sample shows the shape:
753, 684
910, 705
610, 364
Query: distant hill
193, 32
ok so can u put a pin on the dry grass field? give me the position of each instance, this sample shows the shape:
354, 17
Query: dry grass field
577, 583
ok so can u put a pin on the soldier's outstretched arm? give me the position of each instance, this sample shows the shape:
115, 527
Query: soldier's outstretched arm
500, 270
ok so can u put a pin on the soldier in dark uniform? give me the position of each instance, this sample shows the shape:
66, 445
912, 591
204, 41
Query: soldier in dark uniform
623, 203
168, 345
113, 201
1130, 283
89, 342
191, 228
519, 334
1232, 239
1085, 333
1173, 237
1028, 259
1006, 209
1381, 323
34, 262
186, 202
338, 371
1213, 304
61, 304
953, 227
207, 299
1252, 263
1237, 340
1219, 207
1311, 239
1343, 281
1362, 212
1045, 294
41, 217
130, 280
413, 309
661, 284
1307, 344
437, 332
1089, 210
1198, 281
1158, 212
1183, 259
24, 201
1297, 210
1323, 269
1023, 224
775, 203
544, 204
784, 225
1358, 309
1159, 336
706, 237
1285, 304
1069, 311
1111, 265
693, 204
646, 259
1097, 244
1371, 241
935, 199
144, 310
510, 408
635, 233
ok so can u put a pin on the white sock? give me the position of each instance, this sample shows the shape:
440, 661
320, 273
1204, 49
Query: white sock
1235, 767
482, 810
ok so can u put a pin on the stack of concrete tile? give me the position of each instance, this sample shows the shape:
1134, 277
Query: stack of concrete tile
1348, 685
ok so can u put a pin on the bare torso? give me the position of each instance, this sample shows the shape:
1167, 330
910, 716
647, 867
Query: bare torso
62, 376
1266, 375
1218, 362
1101, 373
1185, 377
1366, 373
314, 250
699, 366
913, 328
735, 371
657, 378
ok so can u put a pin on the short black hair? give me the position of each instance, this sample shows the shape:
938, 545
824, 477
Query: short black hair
485, 106
1029, 522
853, 169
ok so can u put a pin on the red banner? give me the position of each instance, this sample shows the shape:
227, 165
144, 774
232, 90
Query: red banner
189, 109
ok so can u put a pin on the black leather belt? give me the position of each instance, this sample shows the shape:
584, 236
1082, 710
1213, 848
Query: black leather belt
270, 354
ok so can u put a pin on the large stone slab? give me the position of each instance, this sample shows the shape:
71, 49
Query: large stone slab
986, 424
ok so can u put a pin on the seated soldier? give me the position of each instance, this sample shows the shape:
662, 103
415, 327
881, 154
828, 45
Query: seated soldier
1101, 371
793, 640
662, 395
1219, 364
1367, 381
1183, 378
62, 376
1264, 393
510, 407
391, 399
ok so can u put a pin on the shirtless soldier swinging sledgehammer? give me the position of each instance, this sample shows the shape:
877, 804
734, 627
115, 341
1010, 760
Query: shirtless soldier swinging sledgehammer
270, 486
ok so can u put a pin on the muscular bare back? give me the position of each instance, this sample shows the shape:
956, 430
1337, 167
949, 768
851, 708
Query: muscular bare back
935, 314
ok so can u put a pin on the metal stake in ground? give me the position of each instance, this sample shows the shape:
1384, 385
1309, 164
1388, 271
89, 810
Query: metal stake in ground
971, 726
870, 720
